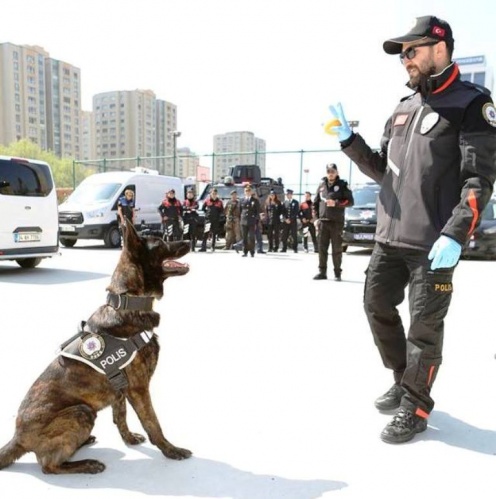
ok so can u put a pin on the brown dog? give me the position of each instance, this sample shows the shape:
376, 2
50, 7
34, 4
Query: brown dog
58, 413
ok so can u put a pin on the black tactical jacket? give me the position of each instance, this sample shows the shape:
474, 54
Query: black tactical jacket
436, 164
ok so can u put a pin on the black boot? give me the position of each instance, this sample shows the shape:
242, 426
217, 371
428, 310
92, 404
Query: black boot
403, 427
391, 400
320, 276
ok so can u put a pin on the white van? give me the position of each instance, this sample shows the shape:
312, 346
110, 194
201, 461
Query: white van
28, 207
90, 212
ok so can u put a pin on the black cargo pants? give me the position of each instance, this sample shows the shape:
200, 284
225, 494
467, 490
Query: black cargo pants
330, 232
415, 357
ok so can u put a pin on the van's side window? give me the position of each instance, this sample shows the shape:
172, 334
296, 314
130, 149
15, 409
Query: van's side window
24, 179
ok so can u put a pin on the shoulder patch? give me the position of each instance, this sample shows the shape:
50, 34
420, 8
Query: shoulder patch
489, 113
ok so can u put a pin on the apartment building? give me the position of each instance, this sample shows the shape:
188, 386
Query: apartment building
39, 99
88, 148
134, 123
187, 163
237, 148
476, 70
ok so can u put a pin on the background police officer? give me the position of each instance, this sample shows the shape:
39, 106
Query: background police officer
214, 210
307, 225
290, 211
250, 215
333, 196
190, 218
171, 212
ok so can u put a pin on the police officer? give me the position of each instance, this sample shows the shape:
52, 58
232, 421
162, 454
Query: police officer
214, 210
273, 211
290, 211
190, 218
307, 226
436, 167
171, 212
125, 207
250, 215
232, 212
333, 196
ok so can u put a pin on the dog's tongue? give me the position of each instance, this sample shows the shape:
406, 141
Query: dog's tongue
174, 264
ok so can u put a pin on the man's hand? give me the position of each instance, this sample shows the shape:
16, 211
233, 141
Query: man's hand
343, 131
445, 253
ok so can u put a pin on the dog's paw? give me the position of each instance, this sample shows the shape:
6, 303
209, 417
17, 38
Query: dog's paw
93, 466
133, 438
177, 453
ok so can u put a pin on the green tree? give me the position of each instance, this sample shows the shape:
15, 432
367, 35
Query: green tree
66, 173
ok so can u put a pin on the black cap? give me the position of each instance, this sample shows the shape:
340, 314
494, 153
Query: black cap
289, 191
425, 27
171, 191
331, 167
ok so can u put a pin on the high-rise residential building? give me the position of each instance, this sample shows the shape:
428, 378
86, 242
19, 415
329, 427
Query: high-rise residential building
187, 163
88, 150
476, 70
237, 148
133, 123
40, 99
63, 99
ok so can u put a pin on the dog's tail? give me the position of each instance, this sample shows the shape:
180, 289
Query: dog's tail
10, 453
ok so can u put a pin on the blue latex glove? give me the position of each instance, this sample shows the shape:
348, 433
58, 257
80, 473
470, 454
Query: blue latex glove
343, 131
445, 253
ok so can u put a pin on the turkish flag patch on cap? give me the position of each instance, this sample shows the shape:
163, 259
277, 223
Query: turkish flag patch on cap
438, 31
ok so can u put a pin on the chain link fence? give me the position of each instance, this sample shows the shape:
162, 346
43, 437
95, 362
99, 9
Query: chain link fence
299, 170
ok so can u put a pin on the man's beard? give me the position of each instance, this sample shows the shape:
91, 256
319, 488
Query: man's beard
420, 78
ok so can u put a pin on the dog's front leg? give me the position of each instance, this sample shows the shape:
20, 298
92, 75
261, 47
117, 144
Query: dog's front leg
142, 404
119, 415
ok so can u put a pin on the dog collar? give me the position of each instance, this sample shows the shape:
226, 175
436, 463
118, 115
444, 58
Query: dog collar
127, 302
105, 353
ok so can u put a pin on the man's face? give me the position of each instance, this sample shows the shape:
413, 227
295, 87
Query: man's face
418, 61
331, 175
214, 194
171, 194
247, 193
307, 196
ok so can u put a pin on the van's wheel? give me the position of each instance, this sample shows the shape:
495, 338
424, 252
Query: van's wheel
112, 238
28, 263
68, 243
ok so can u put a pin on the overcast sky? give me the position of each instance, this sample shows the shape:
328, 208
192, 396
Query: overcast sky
267, 66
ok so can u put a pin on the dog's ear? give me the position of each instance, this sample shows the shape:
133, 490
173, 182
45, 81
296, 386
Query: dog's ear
129, 235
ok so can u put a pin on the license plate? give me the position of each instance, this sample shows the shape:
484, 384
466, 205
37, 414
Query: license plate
67, 228
26, 237
366, 237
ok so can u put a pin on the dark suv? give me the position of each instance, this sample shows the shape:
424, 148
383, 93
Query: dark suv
361, 220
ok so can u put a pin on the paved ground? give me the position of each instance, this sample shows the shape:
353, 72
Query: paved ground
267, 376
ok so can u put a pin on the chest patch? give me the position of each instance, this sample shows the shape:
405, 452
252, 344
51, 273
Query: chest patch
489, 113
400, 119
429, 122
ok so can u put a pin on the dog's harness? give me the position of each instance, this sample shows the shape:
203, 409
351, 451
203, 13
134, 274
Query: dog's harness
105, 353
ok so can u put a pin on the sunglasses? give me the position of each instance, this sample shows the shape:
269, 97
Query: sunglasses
411, 52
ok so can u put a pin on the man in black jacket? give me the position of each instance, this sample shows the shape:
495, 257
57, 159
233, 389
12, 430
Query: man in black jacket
290, 211
250, 213
333, 196
436, 167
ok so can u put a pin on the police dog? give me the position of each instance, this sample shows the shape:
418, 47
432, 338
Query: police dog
58, 413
